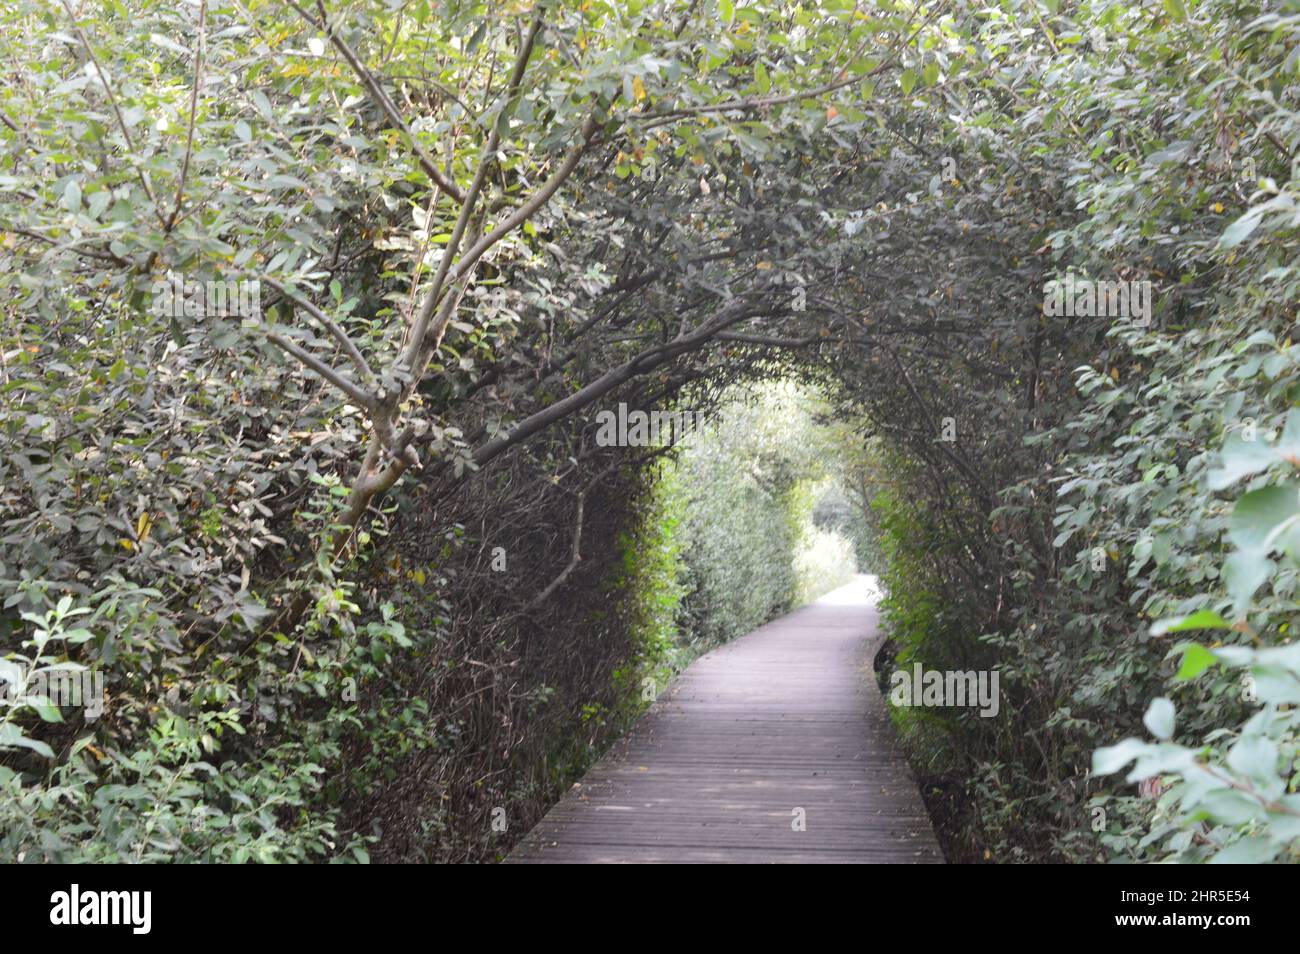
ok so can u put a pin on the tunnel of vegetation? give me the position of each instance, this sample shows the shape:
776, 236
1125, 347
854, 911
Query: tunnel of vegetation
357, 573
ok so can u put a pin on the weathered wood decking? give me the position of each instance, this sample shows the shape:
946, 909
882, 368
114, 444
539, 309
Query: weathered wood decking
788, 717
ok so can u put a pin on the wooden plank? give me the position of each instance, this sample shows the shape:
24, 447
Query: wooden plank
782, 724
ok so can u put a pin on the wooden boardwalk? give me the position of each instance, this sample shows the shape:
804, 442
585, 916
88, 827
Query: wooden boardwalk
785, 719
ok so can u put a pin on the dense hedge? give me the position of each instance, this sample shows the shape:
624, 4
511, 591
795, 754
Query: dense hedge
1087, 519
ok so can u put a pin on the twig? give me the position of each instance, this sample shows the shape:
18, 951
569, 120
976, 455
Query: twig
112, 101
761, 340
385, 103
755, 103
416, 355
362, 397
332, 326
194, 106
576, 551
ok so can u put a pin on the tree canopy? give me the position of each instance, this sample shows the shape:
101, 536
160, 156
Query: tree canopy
310, 311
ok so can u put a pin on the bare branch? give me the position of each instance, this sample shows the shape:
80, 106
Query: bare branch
332, 326
71, 247
576, 551
425, 325
385, 103
637, 366
753, 104
529, 208
361, 397
194, 107
417, 355
556, 583
761, 340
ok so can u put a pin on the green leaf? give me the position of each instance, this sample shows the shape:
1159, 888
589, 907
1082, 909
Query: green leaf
1112, 758
72, 196
98, 202
1248, 851
167, 44
1230, 807
1240, 230
1245, 572
12, 737
1196, 659
47, 711
1254, 757
1161, 759
1159, 718
907, 81
1259, 515
477, 38
1204, 619
1240, 458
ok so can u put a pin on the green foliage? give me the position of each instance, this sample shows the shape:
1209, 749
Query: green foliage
1108, 514
137, 475
746, 484
1223, 368
650, 579
666, 202
823, 561
201, 483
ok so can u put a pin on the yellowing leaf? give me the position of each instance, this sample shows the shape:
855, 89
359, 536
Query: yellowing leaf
638, 89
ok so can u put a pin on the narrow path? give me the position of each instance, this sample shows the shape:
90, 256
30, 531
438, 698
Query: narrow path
788, 717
